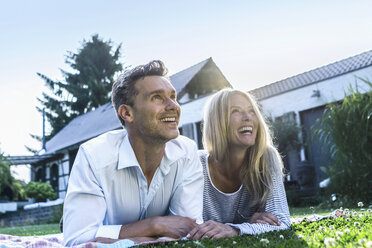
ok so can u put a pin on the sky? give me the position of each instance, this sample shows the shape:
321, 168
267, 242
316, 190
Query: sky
254, 43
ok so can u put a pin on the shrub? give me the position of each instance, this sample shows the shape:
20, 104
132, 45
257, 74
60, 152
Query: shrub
10, 188
286, 135
346, 130
39, 191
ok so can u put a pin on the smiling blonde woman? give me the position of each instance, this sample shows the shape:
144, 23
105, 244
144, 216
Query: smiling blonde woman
243, 180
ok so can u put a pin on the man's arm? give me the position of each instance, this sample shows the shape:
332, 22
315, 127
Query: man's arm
84, 206
187, 199
159, 226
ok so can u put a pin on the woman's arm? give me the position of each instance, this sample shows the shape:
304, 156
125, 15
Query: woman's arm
276, 204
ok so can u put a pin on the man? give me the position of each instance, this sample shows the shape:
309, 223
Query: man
140, 183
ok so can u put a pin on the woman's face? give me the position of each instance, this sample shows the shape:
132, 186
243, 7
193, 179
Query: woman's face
243, 122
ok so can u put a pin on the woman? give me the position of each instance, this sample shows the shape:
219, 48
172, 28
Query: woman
243, 191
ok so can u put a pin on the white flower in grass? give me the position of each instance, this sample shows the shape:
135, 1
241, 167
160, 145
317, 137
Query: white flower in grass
265, 241
234, 242
347, 230
362, 241
329, 242
369, 244
356, 224
360, 204
323, 229
338, 233
361, 215
331, 227
281, 236
354, 213
300, 236
369, 211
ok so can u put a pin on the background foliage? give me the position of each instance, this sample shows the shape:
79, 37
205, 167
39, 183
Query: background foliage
10, 188
286, 135
346, 129
86, 88
39, 191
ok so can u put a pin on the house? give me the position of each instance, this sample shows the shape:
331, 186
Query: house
304, 97
53, 165
301, 98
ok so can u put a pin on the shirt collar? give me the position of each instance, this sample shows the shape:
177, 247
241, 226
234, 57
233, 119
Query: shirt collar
127, 157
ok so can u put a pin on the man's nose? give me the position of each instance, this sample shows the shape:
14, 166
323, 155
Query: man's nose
172, 104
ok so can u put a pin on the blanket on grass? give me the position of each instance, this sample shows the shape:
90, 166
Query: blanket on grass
53, 241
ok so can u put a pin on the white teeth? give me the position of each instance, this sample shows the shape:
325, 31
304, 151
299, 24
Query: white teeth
246, 129
169, 119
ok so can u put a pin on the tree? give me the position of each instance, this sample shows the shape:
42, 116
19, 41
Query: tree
10, 188
84, 89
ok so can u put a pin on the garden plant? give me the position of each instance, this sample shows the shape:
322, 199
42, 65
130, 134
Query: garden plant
346, 130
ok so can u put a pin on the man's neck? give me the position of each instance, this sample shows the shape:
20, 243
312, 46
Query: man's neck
149, 155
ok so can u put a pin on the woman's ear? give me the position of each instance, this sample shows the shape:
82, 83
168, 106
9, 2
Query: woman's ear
126, 113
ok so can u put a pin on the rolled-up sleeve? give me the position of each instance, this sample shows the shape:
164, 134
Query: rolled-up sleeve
187, 199
85, 206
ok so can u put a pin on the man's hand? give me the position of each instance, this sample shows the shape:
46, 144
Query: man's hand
264, 218
169, 226
212, 229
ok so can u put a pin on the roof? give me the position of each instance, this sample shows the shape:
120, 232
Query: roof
85, 127
103, 119
182, 78
319, 74
18, 160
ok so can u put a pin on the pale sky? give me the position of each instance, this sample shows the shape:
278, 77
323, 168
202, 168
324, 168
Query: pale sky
254, 43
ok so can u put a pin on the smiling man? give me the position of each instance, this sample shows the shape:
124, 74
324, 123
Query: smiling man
140, 183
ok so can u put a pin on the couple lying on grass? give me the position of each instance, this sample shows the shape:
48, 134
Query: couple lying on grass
147, 181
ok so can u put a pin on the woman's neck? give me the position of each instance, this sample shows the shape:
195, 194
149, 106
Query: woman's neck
225, 175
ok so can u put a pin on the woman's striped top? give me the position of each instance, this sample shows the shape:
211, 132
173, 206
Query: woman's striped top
234, 209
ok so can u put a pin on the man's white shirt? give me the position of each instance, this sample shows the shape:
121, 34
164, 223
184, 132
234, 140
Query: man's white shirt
107, 187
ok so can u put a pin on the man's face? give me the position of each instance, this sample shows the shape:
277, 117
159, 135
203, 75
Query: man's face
156, 112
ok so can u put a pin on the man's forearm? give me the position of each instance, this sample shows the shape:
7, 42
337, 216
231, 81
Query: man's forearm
168, 226
144, 228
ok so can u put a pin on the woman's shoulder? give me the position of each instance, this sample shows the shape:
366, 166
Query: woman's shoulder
203, 156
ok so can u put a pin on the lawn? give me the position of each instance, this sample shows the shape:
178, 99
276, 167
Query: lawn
355, 230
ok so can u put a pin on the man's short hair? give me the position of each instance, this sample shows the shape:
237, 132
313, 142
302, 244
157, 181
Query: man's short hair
124, 90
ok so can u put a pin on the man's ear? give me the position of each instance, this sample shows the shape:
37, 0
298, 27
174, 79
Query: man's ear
126, 113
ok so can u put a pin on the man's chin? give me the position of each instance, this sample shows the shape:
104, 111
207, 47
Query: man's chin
172, 135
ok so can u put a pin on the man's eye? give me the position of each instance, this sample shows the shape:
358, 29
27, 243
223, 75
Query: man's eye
235, 111
174, 98
156, 97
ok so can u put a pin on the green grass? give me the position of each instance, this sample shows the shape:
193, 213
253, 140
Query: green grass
354, 231
42, 229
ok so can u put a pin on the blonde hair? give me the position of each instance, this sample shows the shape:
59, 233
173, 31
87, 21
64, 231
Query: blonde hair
262, 160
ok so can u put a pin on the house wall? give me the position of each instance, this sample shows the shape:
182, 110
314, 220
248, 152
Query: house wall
63, 173
300, 100
331, 90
